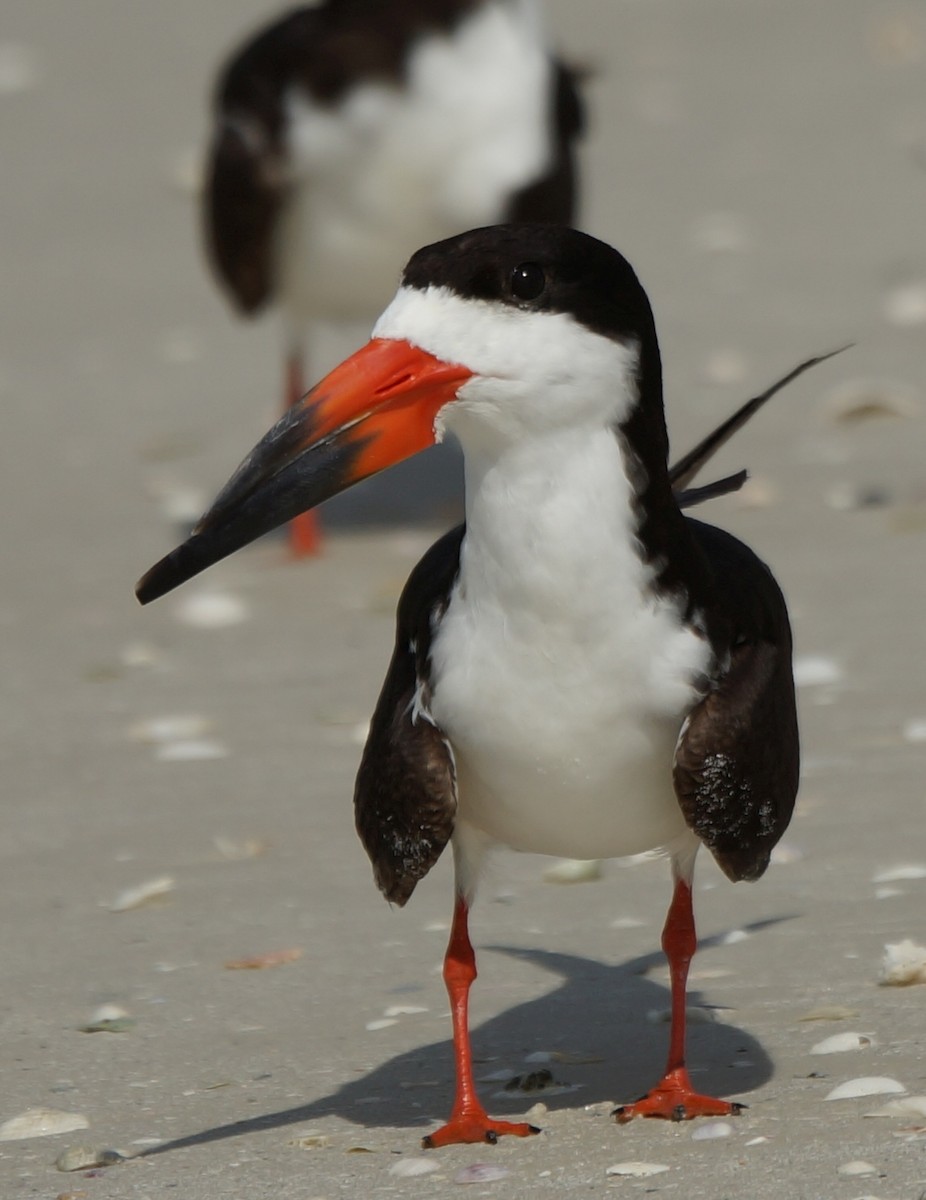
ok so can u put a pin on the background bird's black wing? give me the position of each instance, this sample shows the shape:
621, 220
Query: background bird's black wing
247, 172
405, 798
737, 760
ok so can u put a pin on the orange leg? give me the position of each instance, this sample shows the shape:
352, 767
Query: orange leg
673, 1098
469, 1121
305, 535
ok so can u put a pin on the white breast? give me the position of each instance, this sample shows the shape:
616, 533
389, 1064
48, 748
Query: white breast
390, 169
561, 682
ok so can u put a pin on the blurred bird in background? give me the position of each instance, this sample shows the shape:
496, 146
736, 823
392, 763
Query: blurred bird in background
348, 133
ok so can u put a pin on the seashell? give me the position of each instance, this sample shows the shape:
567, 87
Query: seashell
865, 399
81, 1158
830, 1012
711, 1130
721, 233
404, 1010
909, 1106
382, 1023
481, 1173
724, 367
180, 347
785, 853
857, 1167
573, 870
816, 670
866, 1085
172, 727
142, 893
41, 1122
757, 1141
904, 963
733, 936
185, 171
202, 750
407, 1168
312, 1141
211, 610
839, 1042
260, 962
637, 1170
905, 305
19, 71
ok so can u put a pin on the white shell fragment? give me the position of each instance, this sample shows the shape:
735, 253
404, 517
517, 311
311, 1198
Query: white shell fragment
637, 1170
19, 70
407, 1168
904, 963
914, 730
840, 1042
142, 893
816, 670
81, 1158
197, 750
211, 610
866, 1085
381, 1023
481, 1173
573, 870
711, 1130
906, 305
404, 1010
866, 399
733, 936
172, 727
857, 1167
41, 1122
829, 1012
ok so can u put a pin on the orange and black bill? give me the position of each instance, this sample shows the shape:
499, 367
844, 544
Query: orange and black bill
374, 410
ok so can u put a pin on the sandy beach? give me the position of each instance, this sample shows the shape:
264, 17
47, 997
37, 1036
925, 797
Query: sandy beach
177, 780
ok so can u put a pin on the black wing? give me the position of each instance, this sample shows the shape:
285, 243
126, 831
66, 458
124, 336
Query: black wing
737, 761
246, 173
405, 799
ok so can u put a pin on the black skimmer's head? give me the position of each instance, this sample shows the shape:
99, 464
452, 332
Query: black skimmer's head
502, 335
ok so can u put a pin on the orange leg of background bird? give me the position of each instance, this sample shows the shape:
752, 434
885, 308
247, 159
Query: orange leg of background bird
673, 1098
469, 1121
305, 535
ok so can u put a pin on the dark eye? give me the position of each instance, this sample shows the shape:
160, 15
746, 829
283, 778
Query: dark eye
527, 281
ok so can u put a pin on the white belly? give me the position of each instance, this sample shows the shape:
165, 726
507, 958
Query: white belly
559, 679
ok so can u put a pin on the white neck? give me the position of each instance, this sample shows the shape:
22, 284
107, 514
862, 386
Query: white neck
551, 529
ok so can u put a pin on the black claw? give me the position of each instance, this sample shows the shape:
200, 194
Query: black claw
679, 1113
535, 1129
736, 1108
427, 1143
491, 1137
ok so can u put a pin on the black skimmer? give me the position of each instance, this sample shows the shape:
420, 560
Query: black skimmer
348, 133
580, 669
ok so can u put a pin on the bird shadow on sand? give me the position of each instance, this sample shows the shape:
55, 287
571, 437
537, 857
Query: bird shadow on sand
601, 1044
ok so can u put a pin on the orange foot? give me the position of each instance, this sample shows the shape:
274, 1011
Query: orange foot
475, 1127
674, 1099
